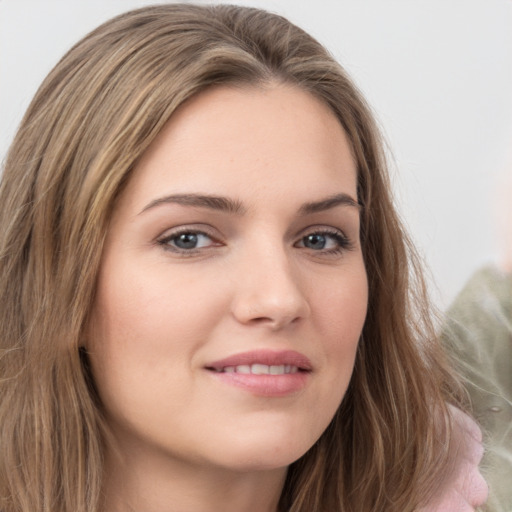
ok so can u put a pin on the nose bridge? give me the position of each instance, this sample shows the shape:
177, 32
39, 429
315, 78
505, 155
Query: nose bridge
269, 288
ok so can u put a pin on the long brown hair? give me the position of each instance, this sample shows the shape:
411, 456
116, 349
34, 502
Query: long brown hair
89, 123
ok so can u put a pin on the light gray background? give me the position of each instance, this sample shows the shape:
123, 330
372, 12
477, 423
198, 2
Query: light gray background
438, 74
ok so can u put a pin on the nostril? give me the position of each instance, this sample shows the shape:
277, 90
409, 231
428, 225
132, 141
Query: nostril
276, 322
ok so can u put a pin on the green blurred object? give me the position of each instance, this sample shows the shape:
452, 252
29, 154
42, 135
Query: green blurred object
478, 334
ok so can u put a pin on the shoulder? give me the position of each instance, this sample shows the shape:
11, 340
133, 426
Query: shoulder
465, 489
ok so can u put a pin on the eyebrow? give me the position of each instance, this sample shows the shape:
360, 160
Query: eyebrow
328, 203
225, 204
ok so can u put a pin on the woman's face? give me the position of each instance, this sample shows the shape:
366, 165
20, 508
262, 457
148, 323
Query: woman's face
232, 290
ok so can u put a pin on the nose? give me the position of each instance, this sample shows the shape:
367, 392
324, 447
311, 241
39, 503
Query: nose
269, 292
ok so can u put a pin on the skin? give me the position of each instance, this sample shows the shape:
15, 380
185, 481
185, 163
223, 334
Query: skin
187, 440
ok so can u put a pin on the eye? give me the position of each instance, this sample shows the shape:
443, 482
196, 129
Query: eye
325, 241
187, 241
317, 241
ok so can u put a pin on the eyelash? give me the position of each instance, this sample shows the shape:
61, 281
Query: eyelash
165, 242
343, 243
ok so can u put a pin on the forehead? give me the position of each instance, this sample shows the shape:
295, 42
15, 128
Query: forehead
249, 141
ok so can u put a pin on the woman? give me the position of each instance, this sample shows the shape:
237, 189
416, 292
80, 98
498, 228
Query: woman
207, 301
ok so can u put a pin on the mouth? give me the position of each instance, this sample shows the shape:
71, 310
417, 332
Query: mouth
259, 369
264, 372
263, 362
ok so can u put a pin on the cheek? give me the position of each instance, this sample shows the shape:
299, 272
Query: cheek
148, 323
150, 306
339, 317
142, 343
342, 309
342, 312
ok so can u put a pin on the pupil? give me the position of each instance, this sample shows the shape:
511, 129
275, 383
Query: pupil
186, 241
315, 241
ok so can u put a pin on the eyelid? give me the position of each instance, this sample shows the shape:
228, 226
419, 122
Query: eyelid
345, 242
199, 229
321, 229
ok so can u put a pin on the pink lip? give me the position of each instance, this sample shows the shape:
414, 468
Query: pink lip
266, 385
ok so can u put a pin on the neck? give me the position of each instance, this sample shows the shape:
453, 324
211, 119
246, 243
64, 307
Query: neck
164, 484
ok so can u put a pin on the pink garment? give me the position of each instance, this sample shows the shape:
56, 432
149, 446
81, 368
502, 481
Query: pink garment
467, 490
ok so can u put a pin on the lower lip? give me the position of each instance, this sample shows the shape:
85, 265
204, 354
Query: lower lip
266, 385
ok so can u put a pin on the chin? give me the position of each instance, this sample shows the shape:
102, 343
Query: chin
266, 452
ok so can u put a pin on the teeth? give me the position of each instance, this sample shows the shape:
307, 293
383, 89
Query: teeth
261, 369
276, 370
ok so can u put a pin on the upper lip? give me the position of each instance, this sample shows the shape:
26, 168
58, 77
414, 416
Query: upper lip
267, 357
